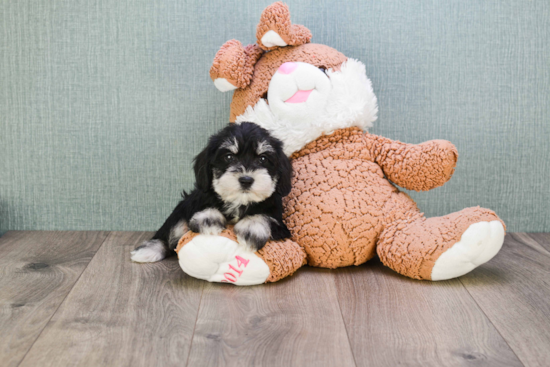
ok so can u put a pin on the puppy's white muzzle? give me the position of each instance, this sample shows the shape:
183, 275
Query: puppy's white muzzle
232, 192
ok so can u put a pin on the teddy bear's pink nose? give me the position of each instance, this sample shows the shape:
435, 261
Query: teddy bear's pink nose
287, 67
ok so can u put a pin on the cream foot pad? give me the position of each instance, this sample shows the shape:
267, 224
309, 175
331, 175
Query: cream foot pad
478, 244
220, 259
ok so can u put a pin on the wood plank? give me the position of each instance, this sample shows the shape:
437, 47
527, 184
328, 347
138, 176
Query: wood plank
37, 271
122, 313
294, 322
543, 239
392, 320
513, 290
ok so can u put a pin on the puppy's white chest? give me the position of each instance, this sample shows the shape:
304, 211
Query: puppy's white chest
235, 213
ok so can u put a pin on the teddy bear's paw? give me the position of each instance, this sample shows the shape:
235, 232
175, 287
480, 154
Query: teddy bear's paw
478, 244
219, 259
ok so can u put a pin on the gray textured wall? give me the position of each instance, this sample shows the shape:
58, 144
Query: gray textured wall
104, 103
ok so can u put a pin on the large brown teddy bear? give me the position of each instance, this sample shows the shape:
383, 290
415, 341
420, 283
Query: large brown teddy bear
344, 208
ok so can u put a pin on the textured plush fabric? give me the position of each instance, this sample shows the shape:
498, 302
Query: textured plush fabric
268, 65
411, 244
342, 209
282, 257
103, 104
235, 63
276, 17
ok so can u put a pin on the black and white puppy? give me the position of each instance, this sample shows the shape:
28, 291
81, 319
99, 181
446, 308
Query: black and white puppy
241, 177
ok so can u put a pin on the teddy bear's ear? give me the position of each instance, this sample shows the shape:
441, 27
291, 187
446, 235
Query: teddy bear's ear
233, 65
276, 30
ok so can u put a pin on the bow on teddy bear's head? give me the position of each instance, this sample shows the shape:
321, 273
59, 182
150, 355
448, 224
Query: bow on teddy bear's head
297, 90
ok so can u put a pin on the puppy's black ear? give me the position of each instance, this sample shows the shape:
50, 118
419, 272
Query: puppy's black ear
203, 170
285, 174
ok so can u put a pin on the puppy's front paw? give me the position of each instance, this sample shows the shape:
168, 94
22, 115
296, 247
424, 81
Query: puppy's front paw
253, 231
209, 221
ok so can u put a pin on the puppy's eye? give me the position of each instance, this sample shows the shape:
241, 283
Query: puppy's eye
229, 157
262, 159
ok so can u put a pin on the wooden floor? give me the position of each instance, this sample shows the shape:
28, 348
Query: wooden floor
75, 298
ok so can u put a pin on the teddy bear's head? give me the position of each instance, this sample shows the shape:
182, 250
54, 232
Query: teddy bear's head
295, 89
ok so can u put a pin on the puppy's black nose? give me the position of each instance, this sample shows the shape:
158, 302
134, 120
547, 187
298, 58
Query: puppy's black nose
246, 181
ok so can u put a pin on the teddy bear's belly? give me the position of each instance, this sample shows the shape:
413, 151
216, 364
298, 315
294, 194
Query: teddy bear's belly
335, 209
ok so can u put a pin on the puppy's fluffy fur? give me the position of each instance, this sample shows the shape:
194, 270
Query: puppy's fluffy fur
241, 177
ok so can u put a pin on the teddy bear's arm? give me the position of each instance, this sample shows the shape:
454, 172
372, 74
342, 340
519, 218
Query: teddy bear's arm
418, 167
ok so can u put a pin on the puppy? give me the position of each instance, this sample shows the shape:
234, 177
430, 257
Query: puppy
241, 178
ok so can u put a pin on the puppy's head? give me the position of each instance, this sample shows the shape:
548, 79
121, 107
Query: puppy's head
243, 164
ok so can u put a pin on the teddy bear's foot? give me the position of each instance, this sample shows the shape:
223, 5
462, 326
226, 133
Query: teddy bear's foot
220, 259
441, 248
478, 244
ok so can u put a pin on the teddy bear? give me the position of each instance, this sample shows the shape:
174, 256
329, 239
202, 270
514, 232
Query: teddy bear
344, 207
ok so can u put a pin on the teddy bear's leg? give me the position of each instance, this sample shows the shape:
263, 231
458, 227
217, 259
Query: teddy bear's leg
283, 258
217, 258
439, 248
222, 259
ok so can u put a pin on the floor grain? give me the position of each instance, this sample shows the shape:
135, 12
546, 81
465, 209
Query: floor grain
542, 239
513, 290
37, 271
295, 322
122, 313
75, 298
393, 321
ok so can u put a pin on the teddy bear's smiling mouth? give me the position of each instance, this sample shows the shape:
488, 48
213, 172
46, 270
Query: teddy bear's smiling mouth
300, 96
